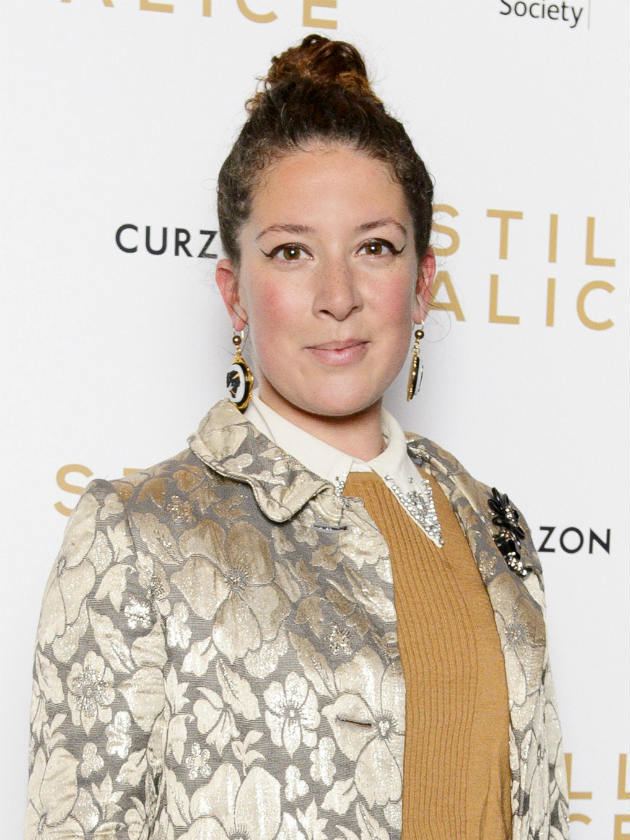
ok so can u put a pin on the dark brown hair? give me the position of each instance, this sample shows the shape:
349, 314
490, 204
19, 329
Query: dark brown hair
318, 90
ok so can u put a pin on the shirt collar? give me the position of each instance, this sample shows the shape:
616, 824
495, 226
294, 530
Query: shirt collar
332, 464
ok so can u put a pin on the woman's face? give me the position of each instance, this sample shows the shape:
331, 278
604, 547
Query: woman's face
329, 281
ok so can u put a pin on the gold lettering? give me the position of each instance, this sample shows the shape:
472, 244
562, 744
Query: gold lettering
446, 250
319, 23
108, 3
504, 230
551, 301
553, 238
265, 17
63, 484
579, 818
620, 821
452, 304
581, 307
151, 6
568, 763
494, 317
591, 259
622, 779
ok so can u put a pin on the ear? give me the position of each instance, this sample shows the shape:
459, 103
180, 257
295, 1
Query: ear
226, 278
427, 268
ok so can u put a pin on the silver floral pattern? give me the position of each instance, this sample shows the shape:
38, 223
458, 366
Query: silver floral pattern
217, 656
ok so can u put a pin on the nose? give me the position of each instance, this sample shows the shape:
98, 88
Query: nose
338, 292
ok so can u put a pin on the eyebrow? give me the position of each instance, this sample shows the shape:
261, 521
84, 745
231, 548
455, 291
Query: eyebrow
289, 228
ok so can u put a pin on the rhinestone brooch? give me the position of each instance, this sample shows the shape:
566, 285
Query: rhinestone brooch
508, 537
418, 502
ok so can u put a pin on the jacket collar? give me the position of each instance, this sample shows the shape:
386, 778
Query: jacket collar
235, 448
232, 446
228, 442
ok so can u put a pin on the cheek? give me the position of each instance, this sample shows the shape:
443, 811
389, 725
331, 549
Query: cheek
274, 316
395, 307
393, 313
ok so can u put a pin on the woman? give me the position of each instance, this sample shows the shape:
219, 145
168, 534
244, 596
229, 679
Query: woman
308, 623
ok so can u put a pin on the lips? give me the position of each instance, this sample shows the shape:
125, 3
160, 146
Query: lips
337, 345
340, 352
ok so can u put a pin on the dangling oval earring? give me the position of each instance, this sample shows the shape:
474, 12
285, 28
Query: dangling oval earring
239, 379
416, 369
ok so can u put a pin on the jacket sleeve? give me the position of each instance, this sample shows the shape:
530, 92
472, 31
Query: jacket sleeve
558, 788
98, 697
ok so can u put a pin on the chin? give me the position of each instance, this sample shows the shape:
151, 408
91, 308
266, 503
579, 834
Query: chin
340, 401
331, 395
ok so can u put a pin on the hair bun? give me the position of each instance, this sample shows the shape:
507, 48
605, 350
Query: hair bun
321, 61
317, 92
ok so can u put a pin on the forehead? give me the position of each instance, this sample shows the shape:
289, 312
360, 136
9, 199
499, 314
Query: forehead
326, 182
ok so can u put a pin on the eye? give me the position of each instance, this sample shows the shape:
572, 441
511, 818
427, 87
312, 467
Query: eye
376, 246
290, 252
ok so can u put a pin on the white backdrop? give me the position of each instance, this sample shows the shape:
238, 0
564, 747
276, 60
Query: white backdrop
120, 112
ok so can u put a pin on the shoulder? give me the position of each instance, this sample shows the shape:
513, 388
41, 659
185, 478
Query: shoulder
159, 488
104, 498
124, 509
158, 510
119, 535
179, 473
443, 462
482, 506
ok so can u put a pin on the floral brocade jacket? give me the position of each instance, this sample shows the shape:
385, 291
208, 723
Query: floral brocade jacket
217, 656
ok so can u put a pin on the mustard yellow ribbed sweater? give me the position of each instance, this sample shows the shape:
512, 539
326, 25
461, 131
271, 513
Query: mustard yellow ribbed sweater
456, 763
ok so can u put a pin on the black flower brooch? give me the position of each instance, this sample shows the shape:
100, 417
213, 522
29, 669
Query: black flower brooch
508, 537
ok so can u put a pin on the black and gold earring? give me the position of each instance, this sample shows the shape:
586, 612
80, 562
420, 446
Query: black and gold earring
415, 371
239, 379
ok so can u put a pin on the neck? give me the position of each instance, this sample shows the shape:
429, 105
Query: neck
358, 434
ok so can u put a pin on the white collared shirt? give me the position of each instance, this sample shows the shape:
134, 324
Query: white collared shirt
393, 465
